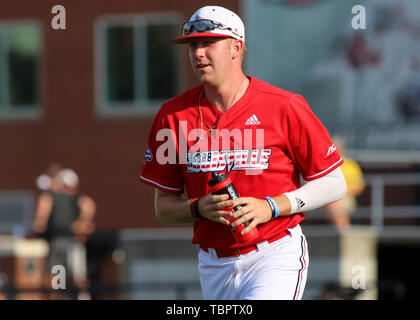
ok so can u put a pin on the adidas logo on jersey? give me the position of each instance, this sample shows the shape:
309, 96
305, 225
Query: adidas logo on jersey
253, 120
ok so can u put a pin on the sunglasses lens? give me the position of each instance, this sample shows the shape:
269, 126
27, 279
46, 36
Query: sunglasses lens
187, 28
204, 25
199, 26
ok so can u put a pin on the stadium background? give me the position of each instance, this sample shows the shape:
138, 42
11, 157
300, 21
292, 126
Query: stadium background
85, 97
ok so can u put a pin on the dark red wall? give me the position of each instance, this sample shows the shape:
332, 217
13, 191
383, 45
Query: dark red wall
106, 152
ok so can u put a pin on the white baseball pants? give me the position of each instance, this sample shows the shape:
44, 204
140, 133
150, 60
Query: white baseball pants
275, 271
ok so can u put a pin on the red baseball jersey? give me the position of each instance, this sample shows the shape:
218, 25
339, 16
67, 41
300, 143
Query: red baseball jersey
264, 142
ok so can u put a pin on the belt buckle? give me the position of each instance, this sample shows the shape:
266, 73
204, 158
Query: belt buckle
246, 249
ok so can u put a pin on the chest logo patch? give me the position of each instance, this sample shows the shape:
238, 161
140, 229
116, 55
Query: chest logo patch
247, 159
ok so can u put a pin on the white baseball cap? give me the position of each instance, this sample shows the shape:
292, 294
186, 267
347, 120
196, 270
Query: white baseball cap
68, 177
213, 21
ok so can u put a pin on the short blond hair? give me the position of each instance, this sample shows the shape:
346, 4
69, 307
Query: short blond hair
243, 52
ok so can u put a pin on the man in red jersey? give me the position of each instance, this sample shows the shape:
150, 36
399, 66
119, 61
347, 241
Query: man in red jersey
265, 139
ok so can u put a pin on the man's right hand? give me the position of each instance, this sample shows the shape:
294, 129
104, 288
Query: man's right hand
174, 208
211, 207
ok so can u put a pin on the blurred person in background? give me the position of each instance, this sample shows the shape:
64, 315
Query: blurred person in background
339, 211
47, 181
65, 218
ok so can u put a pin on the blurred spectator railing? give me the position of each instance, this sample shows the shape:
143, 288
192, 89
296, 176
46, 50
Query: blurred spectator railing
378, 208
376, 202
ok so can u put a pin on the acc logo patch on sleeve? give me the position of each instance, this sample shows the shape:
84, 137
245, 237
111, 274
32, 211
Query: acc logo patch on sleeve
148, 156
331, 150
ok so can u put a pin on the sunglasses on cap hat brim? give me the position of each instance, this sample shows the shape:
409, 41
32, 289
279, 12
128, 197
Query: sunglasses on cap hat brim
203, 28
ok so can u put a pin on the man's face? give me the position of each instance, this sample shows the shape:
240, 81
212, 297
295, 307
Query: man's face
211, 59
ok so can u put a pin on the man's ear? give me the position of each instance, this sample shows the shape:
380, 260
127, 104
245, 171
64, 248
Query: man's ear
237, 47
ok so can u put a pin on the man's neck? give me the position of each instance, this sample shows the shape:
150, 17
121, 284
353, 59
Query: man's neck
228, 93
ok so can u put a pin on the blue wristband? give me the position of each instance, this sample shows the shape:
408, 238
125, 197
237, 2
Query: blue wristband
274, 207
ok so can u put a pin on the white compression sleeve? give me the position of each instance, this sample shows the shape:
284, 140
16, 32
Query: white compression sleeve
318, 193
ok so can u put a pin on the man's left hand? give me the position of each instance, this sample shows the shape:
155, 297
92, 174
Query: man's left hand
254, 210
